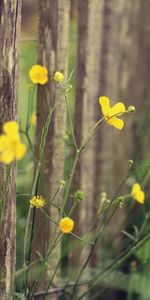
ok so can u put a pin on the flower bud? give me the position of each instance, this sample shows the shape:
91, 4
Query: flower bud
131, 109
58, 76
79, 196
66, 137
103, 197
62, 183
121, 200
130, 162
69, 88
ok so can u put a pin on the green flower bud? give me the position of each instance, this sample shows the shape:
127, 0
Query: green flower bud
79, 196
131, 109
108, 201
130, 162
62, 183
69, 88
103, 197
121, 201
66, 137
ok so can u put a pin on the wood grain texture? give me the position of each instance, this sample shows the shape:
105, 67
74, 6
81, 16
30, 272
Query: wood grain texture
53, 54
10, 15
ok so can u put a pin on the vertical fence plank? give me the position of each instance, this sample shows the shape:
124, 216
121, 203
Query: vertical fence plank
10, 14
87, 87
53, 54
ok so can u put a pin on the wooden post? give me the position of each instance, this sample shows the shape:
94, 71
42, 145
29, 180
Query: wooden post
53, 54
10, 15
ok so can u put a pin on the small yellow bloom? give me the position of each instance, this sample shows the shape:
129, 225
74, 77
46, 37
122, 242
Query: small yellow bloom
38, 74
66, 225
11, 147
37, 201
111, 113
33, 119
137, 193
58, 76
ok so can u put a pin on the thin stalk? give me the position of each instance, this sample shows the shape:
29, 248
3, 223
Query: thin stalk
91, 251
52, 278
71, 233
36, 177
69, 115
81, 239
70, 178
98, 125
114, 197
30, 97
55, 242
30, 223
28, 139
92, 132
117, 262
55, 194
104, 224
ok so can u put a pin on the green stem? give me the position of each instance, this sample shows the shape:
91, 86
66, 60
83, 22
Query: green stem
52, 278
30, 97
81, 239
30, 224
104, 224
69, 115
117, 262
92, 132
70, 179
56, 240
71, 233
91, 250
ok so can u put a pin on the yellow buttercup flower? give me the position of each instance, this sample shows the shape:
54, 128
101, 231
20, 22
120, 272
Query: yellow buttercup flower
38, 74
137, 193
33, 119
58, 76
66, 225
111, 113
37, 201
11, 147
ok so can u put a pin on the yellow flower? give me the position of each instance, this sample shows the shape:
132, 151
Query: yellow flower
33, 119
66, 225
137, 193
111, 113
37, 201
11, 147
58, 76
38, 74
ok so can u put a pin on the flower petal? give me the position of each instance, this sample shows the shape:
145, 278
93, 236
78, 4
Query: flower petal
117, 123
11, 125
43, 79
135, 189
118, 109
20, 150
105, 104
4, 142
140, 197
137, 193
7, 157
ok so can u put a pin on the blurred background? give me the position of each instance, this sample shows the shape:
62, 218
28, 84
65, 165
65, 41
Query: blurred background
109, 48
